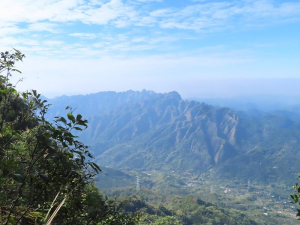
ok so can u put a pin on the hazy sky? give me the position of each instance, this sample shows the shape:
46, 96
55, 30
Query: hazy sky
197, 47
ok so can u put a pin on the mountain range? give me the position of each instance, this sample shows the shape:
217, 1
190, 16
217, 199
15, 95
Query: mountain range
147, 131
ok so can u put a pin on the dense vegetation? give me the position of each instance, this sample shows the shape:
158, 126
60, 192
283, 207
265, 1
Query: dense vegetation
181, 150
264, 204
185, 210
45, 172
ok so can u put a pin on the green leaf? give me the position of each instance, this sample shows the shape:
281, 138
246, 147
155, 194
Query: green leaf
2, 152
5, 172
95, 167
35, 214
82, 123
19, 178
62, 119
78, 117
16, 70
12, 220
71, 117
44, 177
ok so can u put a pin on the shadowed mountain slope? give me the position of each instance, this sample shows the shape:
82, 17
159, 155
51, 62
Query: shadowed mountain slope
163, 129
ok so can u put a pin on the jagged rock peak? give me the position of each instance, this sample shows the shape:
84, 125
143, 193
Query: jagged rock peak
174, 94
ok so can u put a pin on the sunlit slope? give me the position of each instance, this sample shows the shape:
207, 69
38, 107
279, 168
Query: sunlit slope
272, 151
164, 132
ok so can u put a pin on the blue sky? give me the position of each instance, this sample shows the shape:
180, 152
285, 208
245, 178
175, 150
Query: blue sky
197, 47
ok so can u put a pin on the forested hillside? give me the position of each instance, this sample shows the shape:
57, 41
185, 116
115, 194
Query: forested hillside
46, 174
189, 136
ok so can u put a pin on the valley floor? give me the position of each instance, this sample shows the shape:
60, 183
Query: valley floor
265, 204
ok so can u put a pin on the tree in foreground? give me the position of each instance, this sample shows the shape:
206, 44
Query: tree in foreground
45, 172
296, 197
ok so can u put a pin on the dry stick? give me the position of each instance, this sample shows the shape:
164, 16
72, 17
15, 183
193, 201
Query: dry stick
59, 207
56, 211
52, 204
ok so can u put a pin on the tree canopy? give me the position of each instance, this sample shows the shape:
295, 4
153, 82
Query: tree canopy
46, 173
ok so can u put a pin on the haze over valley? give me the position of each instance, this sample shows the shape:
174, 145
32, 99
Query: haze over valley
161, 112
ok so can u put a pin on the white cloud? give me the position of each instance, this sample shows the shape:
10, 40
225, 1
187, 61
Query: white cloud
53, 43
222, 15
147, 1
84, 35
32, 11
60, 18
10, 30
162, 12
139, 39
106, 12
43, 26
198, 16
9, 41
162, 39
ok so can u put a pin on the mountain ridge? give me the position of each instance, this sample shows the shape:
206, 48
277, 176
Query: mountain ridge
150, 131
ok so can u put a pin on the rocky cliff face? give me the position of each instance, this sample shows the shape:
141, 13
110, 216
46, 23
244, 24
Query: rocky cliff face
166, 129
